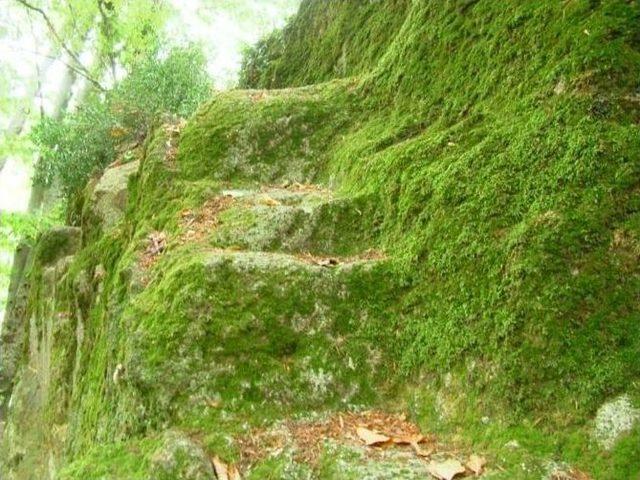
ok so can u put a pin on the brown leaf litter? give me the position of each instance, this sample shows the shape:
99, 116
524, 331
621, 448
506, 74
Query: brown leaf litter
196, 225
375, 430
446, 470
157, 244
372, 427
225, 471
572, 474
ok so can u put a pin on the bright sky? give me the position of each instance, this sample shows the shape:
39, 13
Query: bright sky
221, 35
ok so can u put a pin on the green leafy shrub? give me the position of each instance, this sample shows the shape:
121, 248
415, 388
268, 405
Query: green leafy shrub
84, 141
176, 84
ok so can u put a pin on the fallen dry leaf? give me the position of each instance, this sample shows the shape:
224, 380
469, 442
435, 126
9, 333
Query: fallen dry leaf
420, 452
271, 202
570, 475
157, 243
212, 403
446, 470
408, 439
579, 475
328, 262
221, 469
198, 224
476, 464
341, 427
234, 473
371, 438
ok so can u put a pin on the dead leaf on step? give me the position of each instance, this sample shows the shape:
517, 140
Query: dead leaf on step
157, 243
371, 438
224, 471
327, 262
476, 464
408, 439
414, 441
221, 469
234, 473
420, 452
212, 403
570, 475
270, 202
446, 470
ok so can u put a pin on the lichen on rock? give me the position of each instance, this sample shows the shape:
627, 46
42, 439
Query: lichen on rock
614, 419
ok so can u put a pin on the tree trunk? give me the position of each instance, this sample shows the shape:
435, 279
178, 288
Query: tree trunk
17, 122
65, 91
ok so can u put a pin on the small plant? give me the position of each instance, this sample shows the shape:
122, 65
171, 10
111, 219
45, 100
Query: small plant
84, 141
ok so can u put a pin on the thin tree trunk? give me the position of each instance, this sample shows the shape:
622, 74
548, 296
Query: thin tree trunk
41, 194
17, 122
65, 91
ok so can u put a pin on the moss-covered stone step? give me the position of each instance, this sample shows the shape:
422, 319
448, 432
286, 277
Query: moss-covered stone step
304, 196
251, 329
175, 454
308, 219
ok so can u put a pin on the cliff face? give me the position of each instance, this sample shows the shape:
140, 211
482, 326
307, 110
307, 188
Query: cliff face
448, 213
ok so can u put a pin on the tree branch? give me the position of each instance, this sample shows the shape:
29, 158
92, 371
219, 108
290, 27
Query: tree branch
107, 31
79, 68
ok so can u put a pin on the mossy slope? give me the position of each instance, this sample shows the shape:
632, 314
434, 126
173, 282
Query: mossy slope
490, 150
503, 143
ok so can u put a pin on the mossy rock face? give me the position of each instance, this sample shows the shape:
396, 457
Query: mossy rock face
265, 137
56, 244
290, 221
180, 457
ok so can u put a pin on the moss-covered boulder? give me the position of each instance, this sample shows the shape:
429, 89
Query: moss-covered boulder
109, 195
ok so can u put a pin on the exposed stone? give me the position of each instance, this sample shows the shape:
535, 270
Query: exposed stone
614, 419
180, 457
512, 445
110, 193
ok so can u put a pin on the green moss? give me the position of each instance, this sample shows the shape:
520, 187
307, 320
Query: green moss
125, 460
301, 222
55, 244
257, 136
326, 40
504, 153
243, 328
490, 150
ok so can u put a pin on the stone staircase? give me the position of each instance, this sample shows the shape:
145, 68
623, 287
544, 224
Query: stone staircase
254, 319
280, 287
